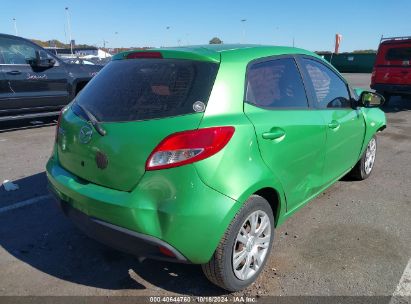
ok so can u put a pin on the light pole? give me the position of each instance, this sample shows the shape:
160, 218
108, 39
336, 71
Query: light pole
15, 26
69, 29
243, 23
104, 47
168, 34
187, 38
116, 41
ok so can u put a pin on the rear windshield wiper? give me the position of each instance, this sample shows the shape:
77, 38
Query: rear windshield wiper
94, 121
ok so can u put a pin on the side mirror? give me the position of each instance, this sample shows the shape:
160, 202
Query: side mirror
371, 99
42, 60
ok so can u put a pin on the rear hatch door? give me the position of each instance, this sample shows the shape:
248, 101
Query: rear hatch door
138, 102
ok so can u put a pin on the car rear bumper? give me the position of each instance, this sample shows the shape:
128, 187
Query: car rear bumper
118, 237
172, 208
392, 88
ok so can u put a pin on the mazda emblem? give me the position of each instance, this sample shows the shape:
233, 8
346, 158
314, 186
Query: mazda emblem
85, 135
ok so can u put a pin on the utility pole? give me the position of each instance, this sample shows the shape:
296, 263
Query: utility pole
15, 27
243, 25
69, 30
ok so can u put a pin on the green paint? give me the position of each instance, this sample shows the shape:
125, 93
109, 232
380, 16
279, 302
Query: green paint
191, 206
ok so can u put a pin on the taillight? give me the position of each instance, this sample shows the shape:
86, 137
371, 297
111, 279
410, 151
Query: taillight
56, 138
188, 147
146, 55
166, 252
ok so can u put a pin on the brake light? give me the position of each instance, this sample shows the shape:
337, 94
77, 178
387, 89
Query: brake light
56, 137
147, 55
188, 147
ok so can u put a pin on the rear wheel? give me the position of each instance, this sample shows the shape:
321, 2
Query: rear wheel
244, 248
363, 168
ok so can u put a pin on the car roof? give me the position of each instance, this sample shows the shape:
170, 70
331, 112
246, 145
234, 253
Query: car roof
11, 36
213, 52
396, 41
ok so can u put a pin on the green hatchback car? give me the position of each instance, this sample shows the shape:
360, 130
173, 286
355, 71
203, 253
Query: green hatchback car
197, 154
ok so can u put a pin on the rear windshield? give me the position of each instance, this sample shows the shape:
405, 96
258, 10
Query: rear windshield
140, 89
399, 54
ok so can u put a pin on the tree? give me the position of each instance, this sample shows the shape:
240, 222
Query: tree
370, 51
216, 40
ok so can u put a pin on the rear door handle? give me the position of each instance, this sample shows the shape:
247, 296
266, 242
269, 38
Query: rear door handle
14, 72
274, 133
334, 125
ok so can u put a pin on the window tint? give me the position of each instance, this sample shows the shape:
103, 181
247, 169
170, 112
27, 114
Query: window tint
275, 84
398, 54
139, 89
330, 90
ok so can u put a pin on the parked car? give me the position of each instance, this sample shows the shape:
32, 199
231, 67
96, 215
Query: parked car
77, 61
392, 70
196, 154
34, 82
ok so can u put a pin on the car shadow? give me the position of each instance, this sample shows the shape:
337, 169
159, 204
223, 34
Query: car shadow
14, 125
40, 236
397, 104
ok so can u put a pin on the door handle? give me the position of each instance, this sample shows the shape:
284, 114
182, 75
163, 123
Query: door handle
14, 72
274, 133
334, 125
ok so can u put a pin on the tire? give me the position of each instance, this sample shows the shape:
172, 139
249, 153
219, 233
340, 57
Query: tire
387, 98
220, 269
363, 169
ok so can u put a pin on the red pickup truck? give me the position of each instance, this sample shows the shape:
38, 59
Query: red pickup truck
392, 69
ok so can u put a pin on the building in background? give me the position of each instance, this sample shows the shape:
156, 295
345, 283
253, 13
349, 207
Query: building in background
85, 53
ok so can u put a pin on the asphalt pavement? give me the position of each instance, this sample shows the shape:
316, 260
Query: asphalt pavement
352, 240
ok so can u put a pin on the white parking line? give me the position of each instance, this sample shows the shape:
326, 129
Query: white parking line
404, 286
25, 203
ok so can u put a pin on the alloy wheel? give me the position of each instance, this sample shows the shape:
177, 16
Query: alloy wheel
251, 245
370, 155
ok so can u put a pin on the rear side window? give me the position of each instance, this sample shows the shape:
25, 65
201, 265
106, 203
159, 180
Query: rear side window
329, 89
140, 89
275, 84
402, 54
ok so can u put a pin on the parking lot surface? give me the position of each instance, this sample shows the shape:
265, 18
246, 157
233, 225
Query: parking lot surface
354, 239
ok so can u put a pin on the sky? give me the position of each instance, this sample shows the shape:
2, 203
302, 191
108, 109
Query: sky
125, 23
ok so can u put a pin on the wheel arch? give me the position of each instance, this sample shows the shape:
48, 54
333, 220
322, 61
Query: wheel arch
273, 198
375, 121
273, 194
